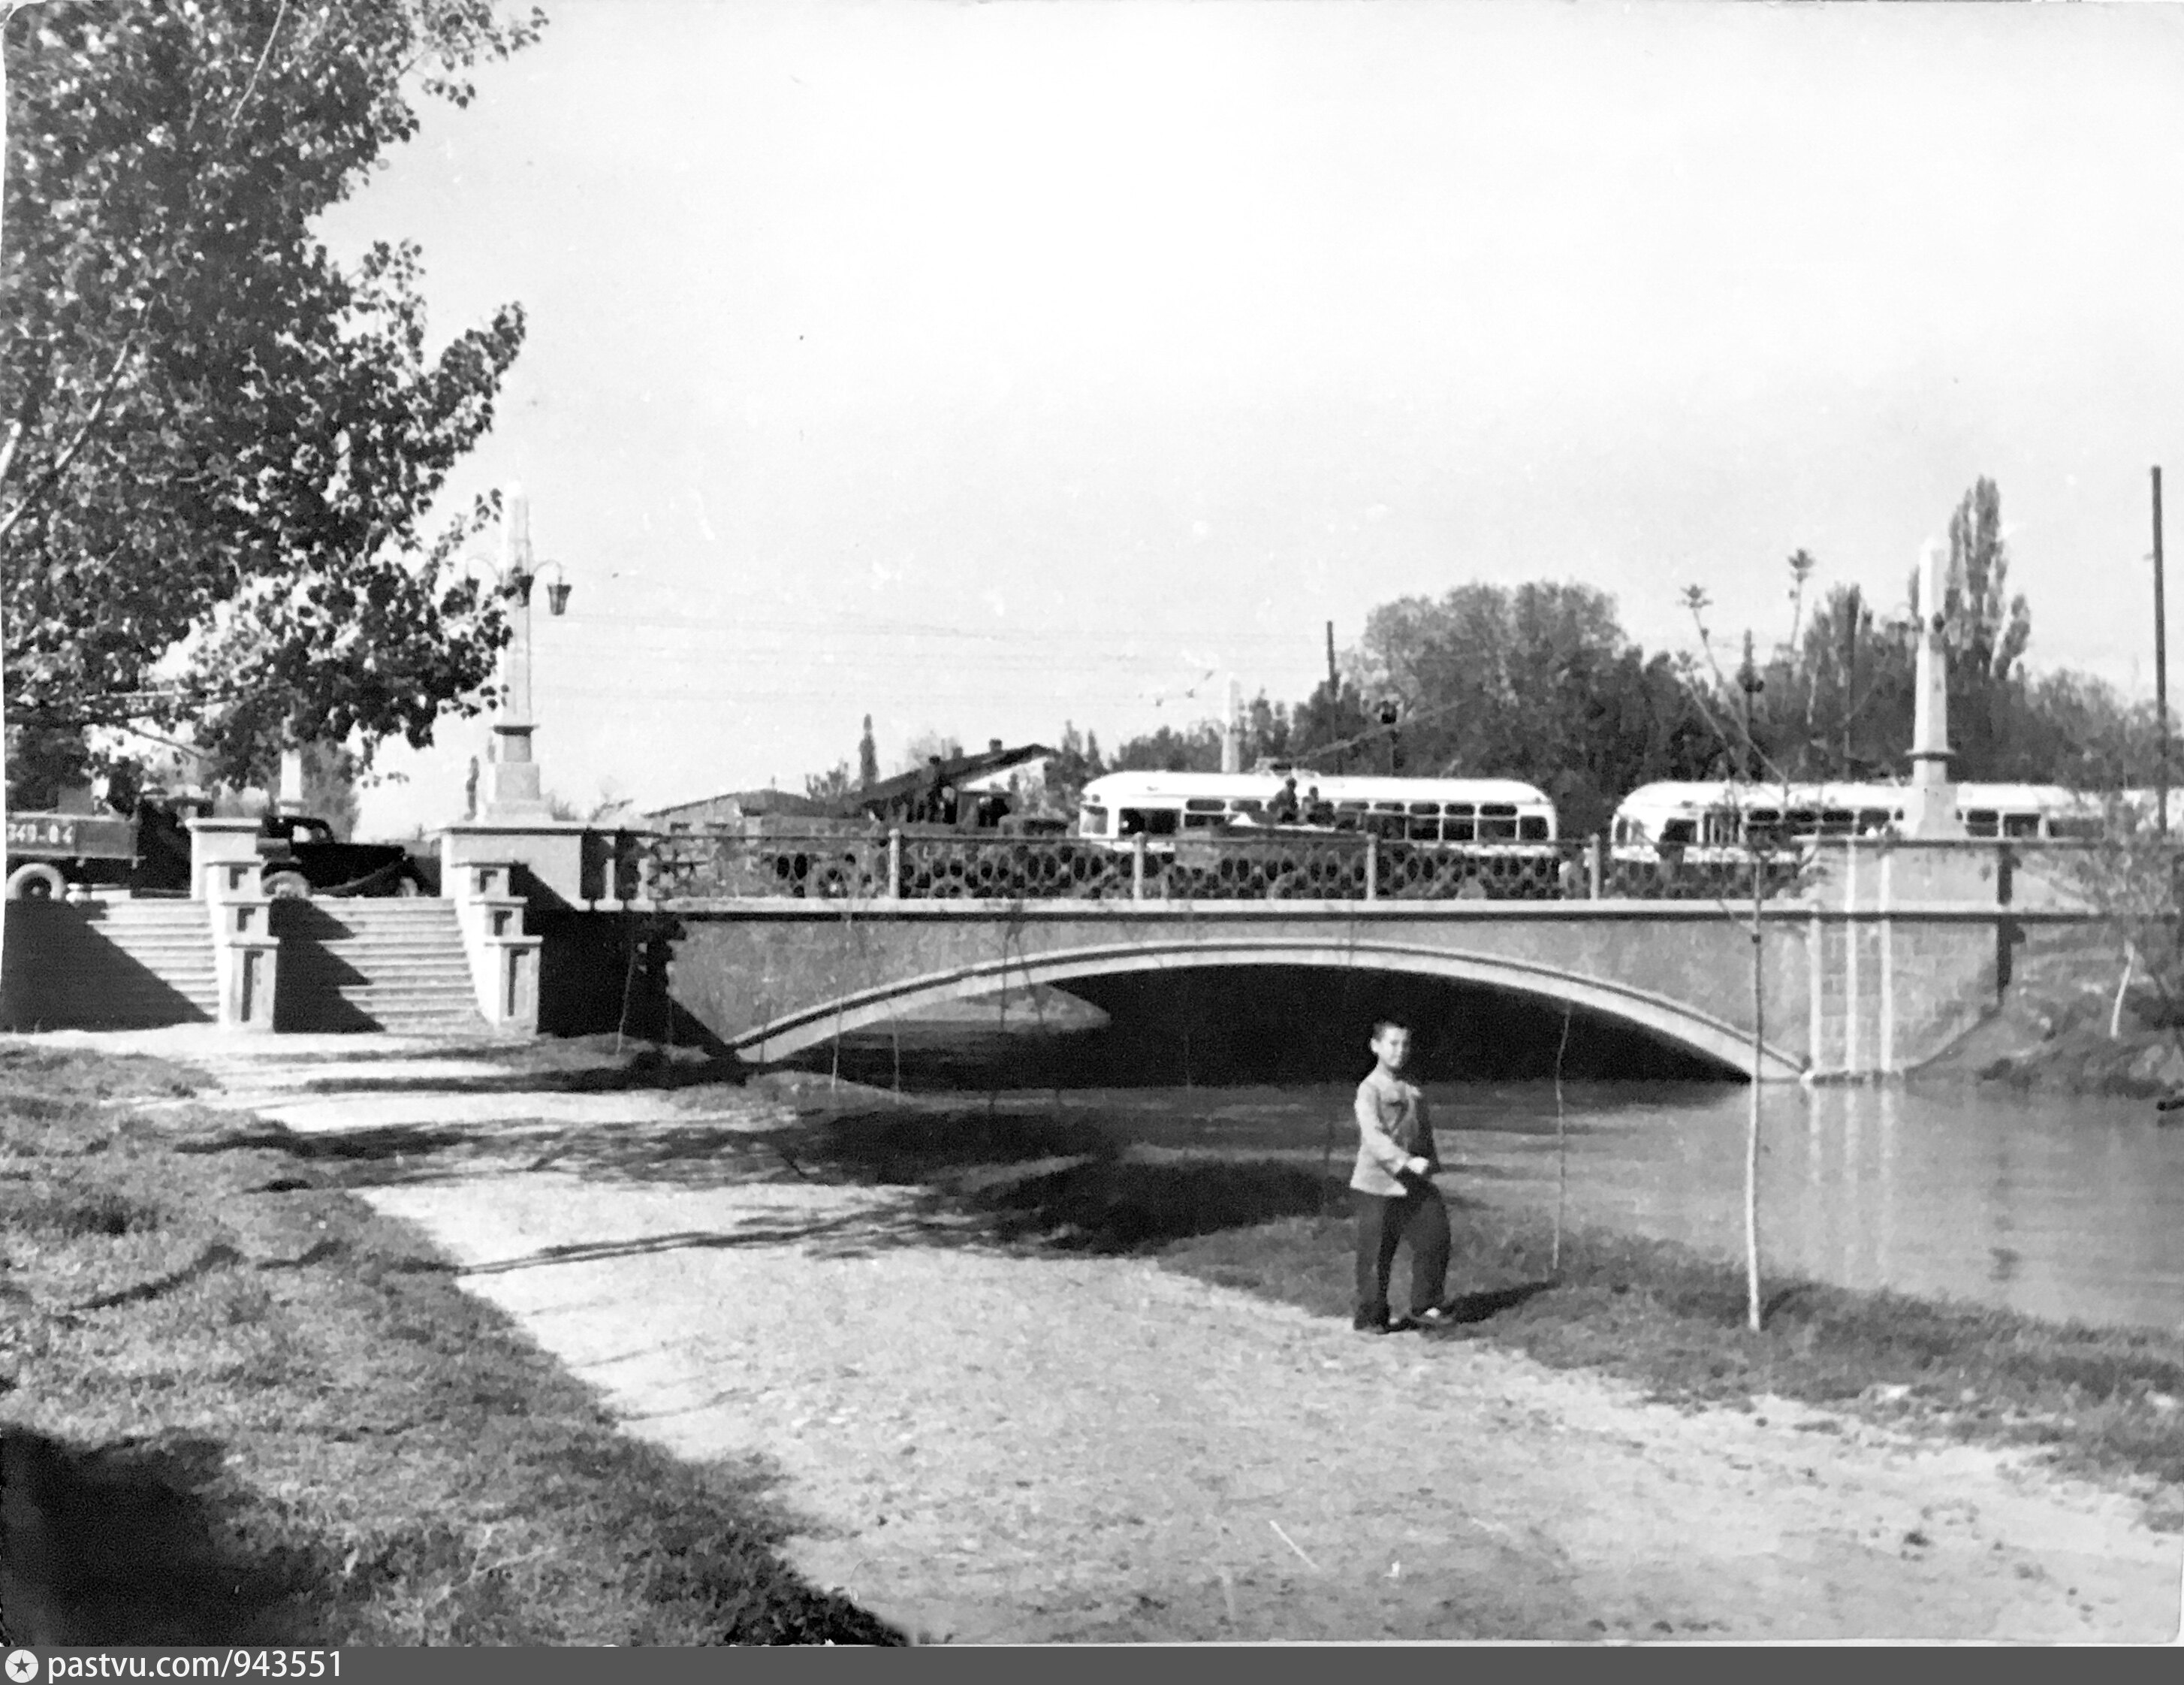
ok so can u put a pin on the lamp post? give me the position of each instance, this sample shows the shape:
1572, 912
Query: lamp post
1391, 713
511, 784
1749, 680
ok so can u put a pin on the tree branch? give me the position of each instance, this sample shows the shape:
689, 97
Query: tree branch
59, 465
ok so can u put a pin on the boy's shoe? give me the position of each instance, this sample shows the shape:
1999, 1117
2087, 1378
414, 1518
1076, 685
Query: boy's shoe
1434, 1316
1369, 1324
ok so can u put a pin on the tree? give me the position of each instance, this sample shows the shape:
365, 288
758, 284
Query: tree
868, 758
831, 785
1075, 763
220, 445
924, 746
1538, 683
1190, 749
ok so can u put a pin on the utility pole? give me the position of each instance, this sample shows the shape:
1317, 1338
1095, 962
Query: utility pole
1852, 603
2161, 675
1334, 696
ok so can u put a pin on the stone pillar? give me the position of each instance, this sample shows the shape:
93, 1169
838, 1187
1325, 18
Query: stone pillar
224, 859
1929, 812
246, 960
291, 798
549, 852
226, 873
1232, 733
504, 960
511, 777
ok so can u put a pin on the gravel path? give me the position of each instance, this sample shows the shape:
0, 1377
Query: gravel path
996, 1448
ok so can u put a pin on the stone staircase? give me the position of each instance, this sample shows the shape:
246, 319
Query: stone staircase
107, 965
397, 965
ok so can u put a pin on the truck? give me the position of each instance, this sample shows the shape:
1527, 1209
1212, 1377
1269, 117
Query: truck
149, 854
48, 852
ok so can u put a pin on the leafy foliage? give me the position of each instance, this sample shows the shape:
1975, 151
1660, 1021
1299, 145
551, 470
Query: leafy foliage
220, 444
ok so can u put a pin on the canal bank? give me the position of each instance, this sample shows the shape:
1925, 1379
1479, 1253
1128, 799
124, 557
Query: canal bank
1017, 1379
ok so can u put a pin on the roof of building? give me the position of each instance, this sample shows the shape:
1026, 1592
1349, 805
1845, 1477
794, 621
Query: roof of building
878, 799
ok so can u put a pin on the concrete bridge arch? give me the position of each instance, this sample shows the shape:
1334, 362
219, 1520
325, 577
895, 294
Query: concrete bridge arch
782, 1033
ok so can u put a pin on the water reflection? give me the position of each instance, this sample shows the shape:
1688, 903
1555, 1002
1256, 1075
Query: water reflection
2058, 1209
2054, 1208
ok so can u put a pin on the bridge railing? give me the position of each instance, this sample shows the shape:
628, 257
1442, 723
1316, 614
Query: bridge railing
725, 863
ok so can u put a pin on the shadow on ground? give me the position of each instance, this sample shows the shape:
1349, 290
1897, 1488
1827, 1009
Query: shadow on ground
967, 1176
118, 1544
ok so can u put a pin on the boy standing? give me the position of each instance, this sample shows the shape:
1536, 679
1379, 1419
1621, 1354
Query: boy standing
1393, 1191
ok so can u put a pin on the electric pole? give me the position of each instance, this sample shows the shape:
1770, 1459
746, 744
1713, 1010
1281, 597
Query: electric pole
2161, 675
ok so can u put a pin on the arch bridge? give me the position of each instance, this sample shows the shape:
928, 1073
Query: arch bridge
1878, 964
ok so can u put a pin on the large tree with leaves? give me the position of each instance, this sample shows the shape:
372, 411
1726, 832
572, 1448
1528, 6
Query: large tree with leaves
220, 444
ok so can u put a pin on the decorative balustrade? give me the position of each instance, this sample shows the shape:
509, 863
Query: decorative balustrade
869, 866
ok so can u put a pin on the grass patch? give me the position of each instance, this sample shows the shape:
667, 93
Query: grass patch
2107, 1402
237, 1407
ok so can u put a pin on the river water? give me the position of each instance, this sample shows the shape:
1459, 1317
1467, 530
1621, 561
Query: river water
2061, 1208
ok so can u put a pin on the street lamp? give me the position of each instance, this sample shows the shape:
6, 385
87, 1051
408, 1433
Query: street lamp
1391, 711
1751, 684
512, 789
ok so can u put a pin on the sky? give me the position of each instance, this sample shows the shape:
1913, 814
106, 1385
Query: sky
985, 367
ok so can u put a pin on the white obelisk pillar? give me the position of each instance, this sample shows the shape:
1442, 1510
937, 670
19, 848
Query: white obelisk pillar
289, 801
1232, 728
1930, 811
512, 790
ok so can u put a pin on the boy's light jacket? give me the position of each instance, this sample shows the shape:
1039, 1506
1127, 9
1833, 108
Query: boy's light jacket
1391, 1127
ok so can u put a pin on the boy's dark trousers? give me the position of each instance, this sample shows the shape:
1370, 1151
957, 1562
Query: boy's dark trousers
1383, 1221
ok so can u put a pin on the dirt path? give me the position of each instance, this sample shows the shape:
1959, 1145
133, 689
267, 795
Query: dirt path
993, 1447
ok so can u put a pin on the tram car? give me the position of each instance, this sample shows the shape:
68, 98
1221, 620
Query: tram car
1724, 821
1169, 808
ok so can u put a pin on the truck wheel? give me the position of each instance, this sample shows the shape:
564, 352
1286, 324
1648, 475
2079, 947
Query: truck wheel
288, 886
36, 882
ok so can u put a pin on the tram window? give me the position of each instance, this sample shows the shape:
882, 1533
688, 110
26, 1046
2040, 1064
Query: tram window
1250, 804
1351, 806
1532, 828
1092, 823
1721, 829
1872, 820
1387, 807
2082, 829
1459, 826
1425, 807
1837, 822
1679, 831
1424, 828
1152, 822
2020, 825
1802, 821
1497, 822
1982, 821
1204, 822
1205, 804
1623, 831
1765, 816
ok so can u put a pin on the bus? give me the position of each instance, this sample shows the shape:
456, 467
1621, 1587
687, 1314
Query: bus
1166, 808
1719, 820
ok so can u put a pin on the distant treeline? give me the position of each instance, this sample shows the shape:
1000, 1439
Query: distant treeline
1539, 682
